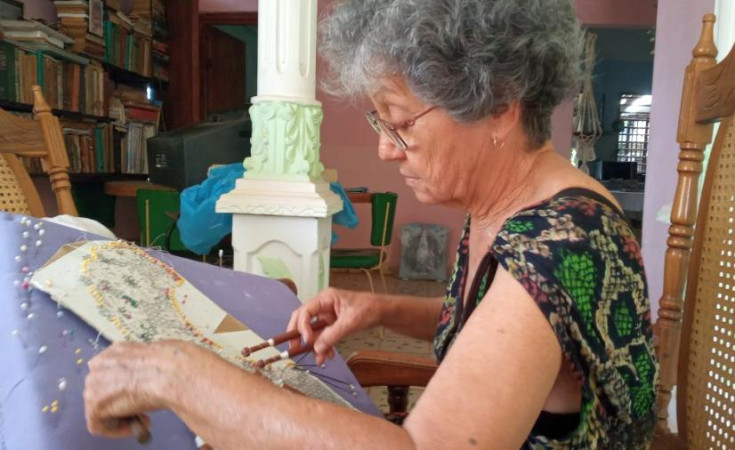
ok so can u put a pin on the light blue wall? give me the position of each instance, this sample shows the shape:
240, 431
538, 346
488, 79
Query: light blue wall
624, 66
249, 35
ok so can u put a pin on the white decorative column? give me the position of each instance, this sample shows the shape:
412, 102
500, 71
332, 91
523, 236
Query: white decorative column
282, 208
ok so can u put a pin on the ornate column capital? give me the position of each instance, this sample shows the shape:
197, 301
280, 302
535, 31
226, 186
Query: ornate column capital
285, 143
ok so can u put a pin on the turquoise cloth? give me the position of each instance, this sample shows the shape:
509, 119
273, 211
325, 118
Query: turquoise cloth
202, 227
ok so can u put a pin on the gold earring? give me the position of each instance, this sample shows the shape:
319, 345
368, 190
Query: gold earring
498, 143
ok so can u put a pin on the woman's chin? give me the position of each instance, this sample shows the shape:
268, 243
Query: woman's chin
424, 197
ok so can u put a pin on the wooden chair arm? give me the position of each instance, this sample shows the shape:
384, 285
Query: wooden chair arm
289, 284
375, 368
668, 442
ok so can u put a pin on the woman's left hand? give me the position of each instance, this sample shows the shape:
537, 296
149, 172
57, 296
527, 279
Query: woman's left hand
129, 379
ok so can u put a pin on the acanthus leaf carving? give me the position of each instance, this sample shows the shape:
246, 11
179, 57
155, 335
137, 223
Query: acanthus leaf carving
296, 150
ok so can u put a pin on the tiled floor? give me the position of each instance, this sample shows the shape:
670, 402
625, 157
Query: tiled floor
390, 342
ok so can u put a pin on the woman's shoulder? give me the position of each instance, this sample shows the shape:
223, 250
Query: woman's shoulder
575, 221
579, 209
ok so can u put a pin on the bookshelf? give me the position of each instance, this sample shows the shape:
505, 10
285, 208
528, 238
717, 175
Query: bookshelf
95, 178
96, 69
124, 76
61, 113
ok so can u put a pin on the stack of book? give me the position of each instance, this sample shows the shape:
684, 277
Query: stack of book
143, 46
128, 45
31, 31
135, 120
85, 26
134, 156
118, 38
114, 4
160, 37
18, 73
152, 13
160, 60
69, 82
8, 72
142, 8
89, 147
143, 32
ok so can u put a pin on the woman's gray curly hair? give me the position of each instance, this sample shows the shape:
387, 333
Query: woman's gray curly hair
471, 58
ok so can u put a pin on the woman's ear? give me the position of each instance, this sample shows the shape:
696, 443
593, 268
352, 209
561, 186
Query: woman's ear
506, 121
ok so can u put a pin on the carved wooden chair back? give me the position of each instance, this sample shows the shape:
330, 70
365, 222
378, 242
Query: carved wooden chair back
698, 354
40, 137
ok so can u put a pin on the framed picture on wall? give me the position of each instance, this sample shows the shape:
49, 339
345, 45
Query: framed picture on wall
95, 17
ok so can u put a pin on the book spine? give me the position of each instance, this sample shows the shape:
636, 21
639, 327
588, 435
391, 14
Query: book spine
108, 41
8, 71
40, 70
99, 149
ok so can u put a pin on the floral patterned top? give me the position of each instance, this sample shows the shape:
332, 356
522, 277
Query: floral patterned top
577, 257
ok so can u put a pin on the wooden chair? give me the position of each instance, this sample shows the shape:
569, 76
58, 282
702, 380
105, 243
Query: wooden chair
698, 356
34, 138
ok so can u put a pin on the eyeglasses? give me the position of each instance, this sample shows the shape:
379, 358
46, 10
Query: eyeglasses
391, 129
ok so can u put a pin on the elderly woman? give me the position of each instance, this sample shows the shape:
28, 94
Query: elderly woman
544, 336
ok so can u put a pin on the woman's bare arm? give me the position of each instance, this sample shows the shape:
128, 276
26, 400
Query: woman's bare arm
486, 394
417, 317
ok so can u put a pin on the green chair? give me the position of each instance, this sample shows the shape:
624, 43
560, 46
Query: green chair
93, 203
158, 212
383, 208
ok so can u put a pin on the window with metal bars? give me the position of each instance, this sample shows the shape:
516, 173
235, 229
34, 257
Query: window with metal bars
633, 129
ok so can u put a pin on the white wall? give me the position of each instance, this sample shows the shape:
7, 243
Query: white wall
678, 28
725, 31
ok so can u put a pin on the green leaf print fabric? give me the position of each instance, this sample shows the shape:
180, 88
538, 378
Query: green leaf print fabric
578, 258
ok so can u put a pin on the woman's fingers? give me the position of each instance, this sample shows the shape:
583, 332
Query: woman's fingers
320, 307
117, 427
124, 381
111, 428
292, 325
321, 358
336, 307
329, 337
106, 403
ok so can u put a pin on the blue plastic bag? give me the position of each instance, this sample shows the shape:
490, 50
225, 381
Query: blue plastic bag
202, 227
347, 217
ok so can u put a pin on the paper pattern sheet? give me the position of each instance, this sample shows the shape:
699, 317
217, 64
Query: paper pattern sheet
128, 295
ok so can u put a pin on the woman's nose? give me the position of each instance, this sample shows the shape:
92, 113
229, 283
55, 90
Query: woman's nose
387, 149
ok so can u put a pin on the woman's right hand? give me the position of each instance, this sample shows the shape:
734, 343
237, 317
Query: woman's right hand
345, 312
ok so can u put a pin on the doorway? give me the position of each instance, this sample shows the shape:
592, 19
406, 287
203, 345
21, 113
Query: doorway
228, 63
622, 84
